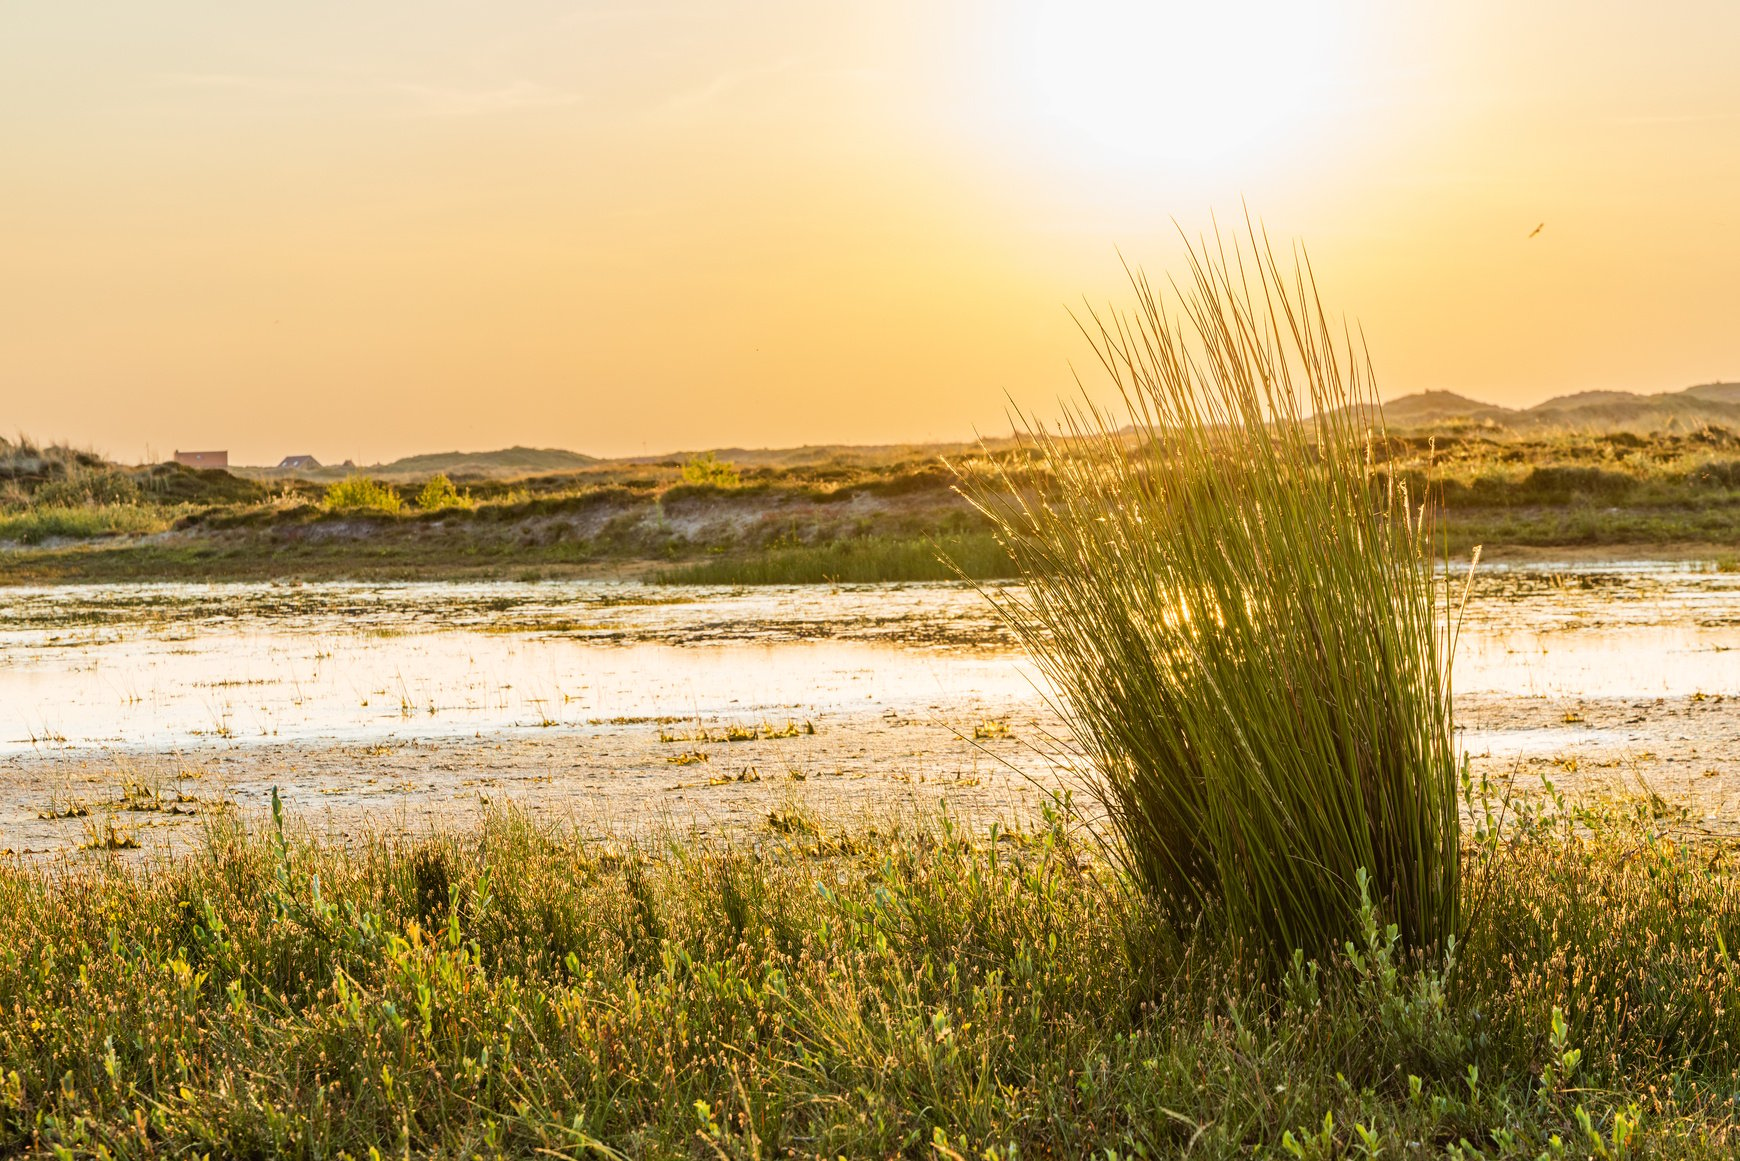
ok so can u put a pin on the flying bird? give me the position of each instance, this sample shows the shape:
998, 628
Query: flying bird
1537, 229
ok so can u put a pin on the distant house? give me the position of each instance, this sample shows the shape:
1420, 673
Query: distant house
304, 463
205, 459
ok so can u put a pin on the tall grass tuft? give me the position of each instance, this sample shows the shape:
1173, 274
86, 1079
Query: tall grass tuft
1245, 630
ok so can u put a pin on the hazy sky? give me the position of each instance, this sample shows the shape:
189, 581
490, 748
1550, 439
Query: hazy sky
371, 227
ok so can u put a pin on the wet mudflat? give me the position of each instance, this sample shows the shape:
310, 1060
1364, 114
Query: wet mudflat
131, 713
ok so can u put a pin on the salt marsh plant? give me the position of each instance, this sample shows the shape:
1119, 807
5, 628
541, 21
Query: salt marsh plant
1243, 627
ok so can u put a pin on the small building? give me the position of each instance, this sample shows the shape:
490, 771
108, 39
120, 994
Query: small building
298, 463
203, 459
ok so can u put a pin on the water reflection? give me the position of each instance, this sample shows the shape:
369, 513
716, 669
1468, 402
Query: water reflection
163, 666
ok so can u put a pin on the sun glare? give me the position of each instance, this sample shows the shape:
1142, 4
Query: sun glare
1176, 84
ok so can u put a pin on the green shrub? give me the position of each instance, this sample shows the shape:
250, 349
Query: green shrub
362, 493
439, 493
708, 468
1248, 648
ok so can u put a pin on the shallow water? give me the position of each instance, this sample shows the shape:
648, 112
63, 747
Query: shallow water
156, 667
145, 709
149, 667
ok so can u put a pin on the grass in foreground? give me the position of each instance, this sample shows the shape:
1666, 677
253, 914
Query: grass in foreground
919, 991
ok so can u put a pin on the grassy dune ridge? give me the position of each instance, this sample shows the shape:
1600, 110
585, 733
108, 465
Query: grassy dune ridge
908, 988
796, 519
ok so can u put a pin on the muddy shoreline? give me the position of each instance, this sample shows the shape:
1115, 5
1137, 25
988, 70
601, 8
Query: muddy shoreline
611, 780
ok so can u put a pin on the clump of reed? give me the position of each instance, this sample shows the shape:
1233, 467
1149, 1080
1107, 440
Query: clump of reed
1243, 629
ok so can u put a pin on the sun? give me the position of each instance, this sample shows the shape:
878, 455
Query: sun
1171, 84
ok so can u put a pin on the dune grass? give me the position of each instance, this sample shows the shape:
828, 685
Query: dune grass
859, 560
914, 991
1245, 633
1598, 491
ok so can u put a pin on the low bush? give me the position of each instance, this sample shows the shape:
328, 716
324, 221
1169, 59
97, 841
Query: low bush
354, 493
439, 493
708, 469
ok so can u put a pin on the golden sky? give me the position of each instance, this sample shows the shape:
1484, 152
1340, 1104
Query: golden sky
367, 229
